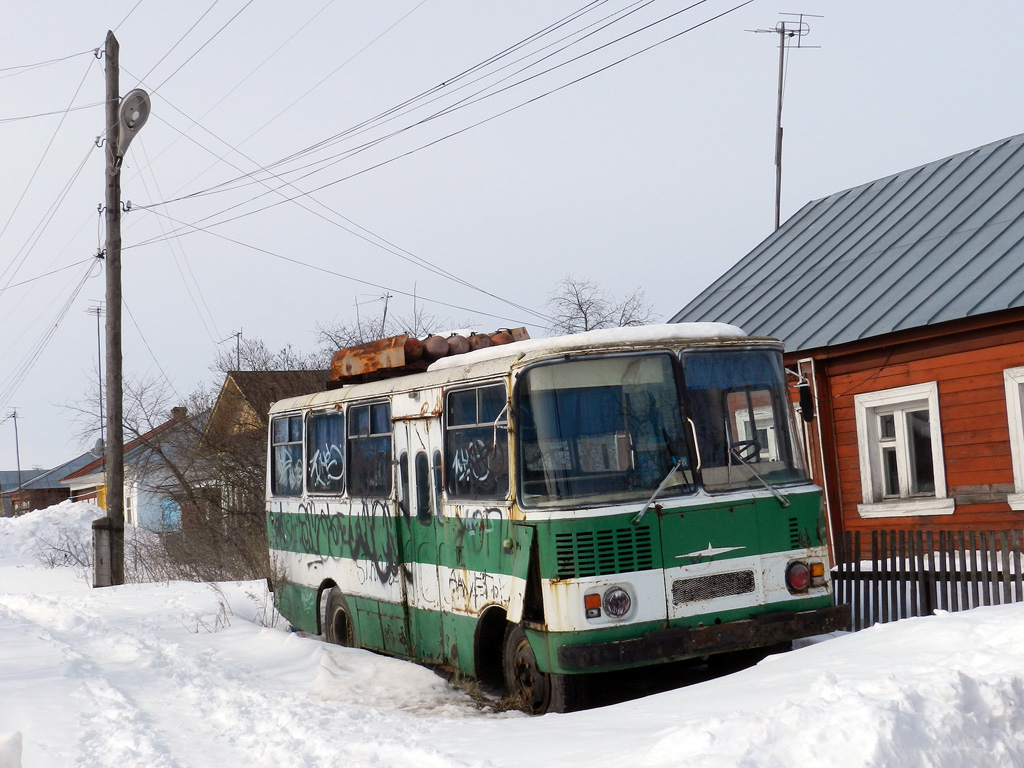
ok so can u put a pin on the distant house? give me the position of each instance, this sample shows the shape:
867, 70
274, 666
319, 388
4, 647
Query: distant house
901, 302
235, 439
150, 500
38, 488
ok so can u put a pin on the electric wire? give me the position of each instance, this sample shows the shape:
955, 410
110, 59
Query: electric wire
324, 270
171, 242
379, 118
19, 118
455, 132
46, 151
122, 21
45, 274
479, 96
12, 307
18, 69
180, 39
17, 374
625, 36
369, 237
150, 349
418, 101
201, 47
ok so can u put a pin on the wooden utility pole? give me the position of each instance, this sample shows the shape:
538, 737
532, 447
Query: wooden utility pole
124, 118
108, 532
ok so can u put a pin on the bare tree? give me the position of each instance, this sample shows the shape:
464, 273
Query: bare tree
339, 334
580, 304
253, 354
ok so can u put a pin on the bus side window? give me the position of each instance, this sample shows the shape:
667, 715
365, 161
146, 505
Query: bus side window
325, 452
286, 456
403, 483
476, 443
369, 450
424, 508
438, 480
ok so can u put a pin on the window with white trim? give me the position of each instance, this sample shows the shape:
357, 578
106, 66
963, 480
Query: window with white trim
900, 443
1013, 379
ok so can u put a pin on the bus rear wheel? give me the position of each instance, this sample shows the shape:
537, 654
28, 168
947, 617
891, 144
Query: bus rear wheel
338, 627
532, 690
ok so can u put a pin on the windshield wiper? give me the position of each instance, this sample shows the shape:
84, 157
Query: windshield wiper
764, 481
661, 486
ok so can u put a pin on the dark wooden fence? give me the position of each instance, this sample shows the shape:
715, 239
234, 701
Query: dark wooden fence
889, 575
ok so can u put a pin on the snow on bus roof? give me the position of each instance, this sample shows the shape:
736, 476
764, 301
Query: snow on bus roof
610, 337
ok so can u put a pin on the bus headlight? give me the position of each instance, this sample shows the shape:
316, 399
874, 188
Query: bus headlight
617, 602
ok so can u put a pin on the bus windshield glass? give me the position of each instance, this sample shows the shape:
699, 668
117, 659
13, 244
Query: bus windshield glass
738, 402
600, 430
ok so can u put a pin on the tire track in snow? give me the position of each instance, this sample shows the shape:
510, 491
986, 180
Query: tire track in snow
114, 731
131, 662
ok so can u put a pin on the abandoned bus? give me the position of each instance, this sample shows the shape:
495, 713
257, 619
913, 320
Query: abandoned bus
535, 511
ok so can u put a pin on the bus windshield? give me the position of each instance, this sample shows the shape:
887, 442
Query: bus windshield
738, 402
600, 430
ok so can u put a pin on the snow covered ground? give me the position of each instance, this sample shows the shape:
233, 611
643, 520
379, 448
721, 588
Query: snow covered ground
185, 674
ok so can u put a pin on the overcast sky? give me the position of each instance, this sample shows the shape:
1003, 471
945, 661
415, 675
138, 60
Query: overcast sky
470, 153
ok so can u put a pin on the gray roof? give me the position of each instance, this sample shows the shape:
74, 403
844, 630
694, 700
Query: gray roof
9, 478
944, 241
43, 478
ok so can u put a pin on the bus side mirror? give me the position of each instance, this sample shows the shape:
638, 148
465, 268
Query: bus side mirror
806, 403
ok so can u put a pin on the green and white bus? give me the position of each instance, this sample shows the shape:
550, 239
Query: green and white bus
533, 512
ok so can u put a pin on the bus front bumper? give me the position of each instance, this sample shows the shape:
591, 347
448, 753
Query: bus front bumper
676, 643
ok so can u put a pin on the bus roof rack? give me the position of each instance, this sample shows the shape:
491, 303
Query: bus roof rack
404, 354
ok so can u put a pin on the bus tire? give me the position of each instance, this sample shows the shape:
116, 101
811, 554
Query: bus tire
531, 690
338, 626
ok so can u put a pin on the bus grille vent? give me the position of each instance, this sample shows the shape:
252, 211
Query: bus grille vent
597, 553
794, 533
710, 587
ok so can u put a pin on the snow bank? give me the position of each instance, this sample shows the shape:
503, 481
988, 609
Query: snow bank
21, 537
10, 750
185, 674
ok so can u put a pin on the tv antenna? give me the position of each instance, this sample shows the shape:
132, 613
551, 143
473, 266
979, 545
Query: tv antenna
788, 31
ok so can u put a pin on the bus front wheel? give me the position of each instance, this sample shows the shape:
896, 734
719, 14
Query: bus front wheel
338, 626
532, 690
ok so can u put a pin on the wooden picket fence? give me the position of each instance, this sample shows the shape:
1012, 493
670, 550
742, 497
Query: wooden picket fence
901, 574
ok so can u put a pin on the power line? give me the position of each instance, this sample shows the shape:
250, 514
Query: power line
176, 240
369, 237
46, 151
18, 69
10, 384
339, 274
200, 48
277, 190
45, 274
19, 118
122, 21
150, 349
18, 261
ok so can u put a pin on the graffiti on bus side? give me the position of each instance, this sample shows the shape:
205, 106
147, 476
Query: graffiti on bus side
472, 590
474, 525
363, 528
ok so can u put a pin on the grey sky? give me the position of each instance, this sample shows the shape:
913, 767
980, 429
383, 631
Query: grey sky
656, 173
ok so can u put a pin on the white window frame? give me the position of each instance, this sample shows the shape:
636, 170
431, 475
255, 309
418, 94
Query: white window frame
867, 406
1013, 380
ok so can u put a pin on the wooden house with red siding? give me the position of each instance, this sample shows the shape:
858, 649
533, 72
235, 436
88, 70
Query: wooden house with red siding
901, 304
